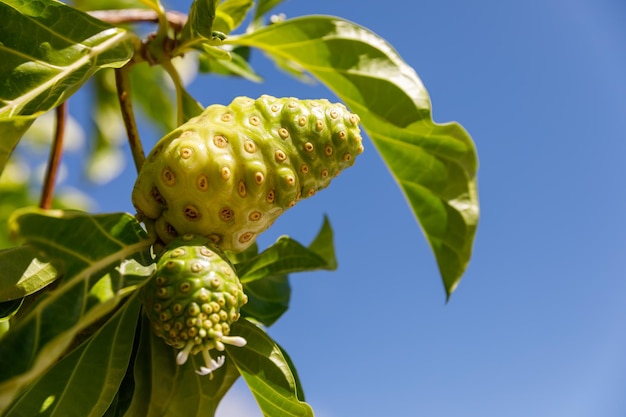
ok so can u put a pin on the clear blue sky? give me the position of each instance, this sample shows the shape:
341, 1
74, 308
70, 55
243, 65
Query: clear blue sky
536, 327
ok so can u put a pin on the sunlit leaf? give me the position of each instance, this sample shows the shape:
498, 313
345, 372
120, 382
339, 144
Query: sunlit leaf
268, 373
11, 131
42, 67
94, 253
23, 271
286, 256
90, 375
268, 298
237, 65
230, 14
200, 21
434, 164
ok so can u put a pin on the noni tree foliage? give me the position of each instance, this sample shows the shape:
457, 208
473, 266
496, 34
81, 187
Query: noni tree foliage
158, 312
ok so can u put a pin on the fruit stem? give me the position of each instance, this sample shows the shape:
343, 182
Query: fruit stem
55, 157
122, 83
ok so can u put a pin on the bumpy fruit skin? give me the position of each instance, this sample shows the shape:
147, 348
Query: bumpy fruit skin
193, 299
230, 172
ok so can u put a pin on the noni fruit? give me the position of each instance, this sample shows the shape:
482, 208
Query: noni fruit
230, 172
193, 299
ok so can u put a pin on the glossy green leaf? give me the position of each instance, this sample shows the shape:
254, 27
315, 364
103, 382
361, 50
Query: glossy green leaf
237, 65
268, 373
11, 131
230, 14
22, 272
165, 389
42, 67
286, 256
9, 308
434, 164
200, 21
94, 253
263, 7
90, 375
268, 298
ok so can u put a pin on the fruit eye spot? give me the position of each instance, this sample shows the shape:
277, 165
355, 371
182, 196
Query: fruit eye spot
290, 179
324, 173
280, 155
291, 203
304, 168
328, 150
162, 292
354, 119
202, 182
308, 146
226, 214
347, 157
220, 141
271, 196
227, 117
319, 125
241, 189
176, 253
259, 178
292, 105
193, 309
255, 216
254, 121
206, 252
283, 133
168, 176
311, 192
155, 153
185, 152
196, 267
249, 146
156, 196
225, 173
246, 237
169, 229
215, 283
184, 287
342, 135
191, 213
160, 281
177, 309
215, 238
302, 121
275, 107
334, 114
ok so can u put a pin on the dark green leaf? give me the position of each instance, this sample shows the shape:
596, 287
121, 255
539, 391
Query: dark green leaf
94, 252
22, 272
323, 244
237, 65
42, 67
435, 165
165, 389
268, 298
268, 373
200, 22
9, 308
90, 375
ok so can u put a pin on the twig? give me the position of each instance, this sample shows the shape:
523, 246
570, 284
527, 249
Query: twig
178, 84
55, 157
115, 17
122, 83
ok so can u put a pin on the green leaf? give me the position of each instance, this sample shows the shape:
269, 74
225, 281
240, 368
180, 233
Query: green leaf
230, 14
42, 67
9, 308
11, 131
434, 164
23, 272
237, 65
103, 258
268, 372
165, 389
91, 374
200, 21
268, 298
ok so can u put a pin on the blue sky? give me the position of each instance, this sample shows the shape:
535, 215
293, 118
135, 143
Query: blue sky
536, 327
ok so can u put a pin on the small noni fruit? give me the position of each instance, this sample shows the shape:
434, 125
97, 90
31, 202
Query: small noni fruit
230, 172
193, 299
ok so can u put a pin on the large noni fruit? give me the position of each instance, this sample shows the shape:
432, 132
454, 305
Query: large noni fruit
193, 299
230, 172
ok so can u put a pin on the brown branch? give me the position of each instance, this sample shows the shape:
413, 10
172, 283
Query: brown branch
55, 157
122, 83
115, 17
